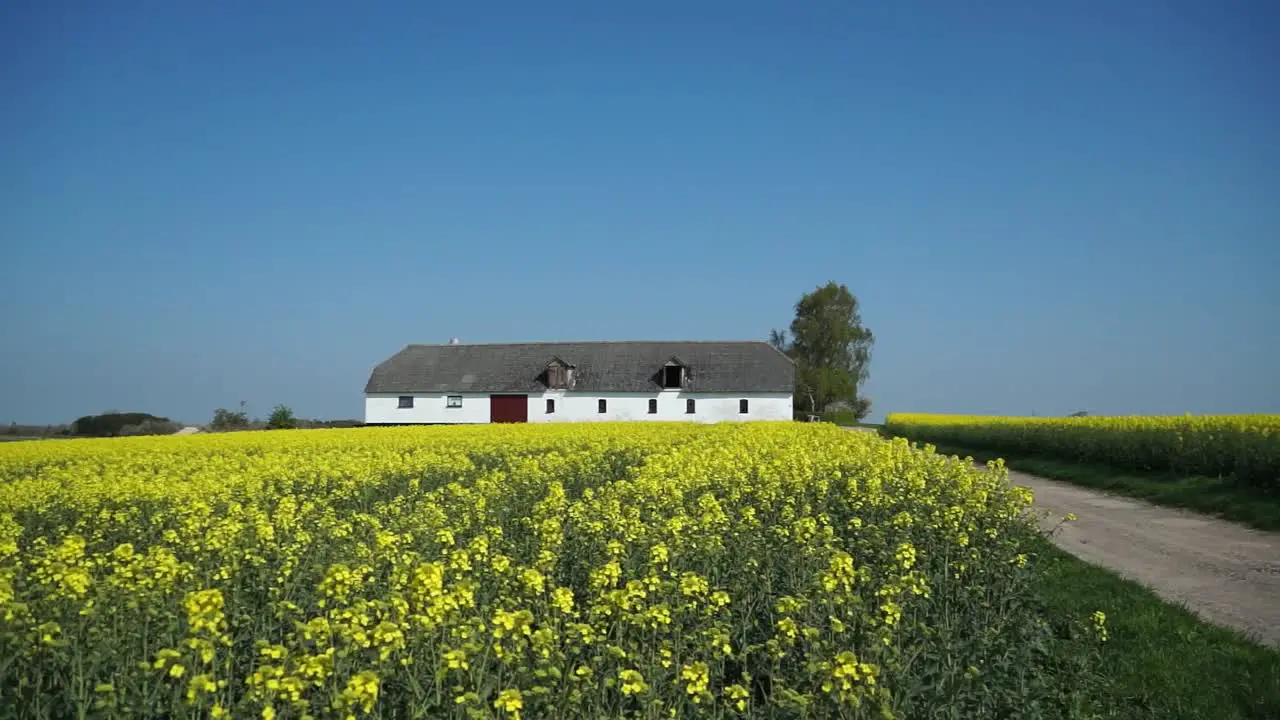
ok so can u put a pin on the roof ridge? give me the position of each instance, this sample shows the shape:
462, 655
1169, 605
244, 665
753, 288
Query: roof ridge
592, 342
607, 366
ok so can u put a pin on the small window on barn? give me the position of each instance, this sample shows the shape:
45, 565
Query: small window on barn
672, 376
453, 401
601, 405
689, 407
406, 401
653, 406
742, 406
551, 406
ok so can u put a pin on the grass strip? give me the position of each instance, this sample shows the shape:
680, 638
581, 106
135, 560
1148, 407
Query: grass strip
1223, 497
1161, 660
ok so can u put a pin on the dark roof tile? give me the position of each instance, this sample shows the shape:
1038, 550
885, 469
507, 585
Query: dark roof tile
623, 366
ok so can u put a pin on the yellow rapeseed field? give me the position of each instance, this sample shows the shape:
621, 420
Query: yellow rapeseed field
610, 570
1245, 446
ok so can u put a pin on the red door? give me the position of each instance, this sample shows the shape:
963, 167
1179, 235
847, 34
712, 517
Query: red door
508, 408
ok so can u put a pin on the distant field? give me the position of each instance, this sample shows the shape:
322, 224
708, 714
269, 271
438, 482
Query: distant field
1243, 447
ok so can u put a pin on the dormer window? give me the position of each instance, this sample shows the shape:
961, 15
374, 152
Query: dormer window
559, 375
673, 375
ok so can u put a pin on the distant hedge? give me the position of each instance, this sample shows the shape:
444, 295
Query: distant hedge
316, 424
129, 423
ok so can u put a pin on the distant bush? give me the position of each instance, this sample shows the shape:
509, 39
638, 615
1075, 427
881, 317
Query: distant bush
113, 423
224, 419
318, 424
841, 412
282, 418
16, 430
838, 417
842, 417
151, 427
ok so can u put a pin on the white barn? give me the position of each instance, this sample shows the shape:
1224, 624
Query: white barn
581, 381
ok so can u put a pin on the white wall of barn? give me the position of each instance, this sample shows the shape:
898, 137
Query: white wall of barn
427, 408
584, 407
708, 407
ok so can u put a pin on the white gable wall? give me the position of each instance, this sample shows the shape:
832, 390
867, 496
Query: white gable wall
427, 408
582, 407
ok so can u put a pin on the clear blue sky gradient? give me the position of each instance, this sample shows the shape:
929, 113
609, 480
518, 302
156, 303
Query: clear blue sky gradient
1042, 206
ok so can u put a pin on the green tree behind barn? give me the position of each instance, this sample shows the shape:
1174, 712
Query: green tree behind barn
832, 350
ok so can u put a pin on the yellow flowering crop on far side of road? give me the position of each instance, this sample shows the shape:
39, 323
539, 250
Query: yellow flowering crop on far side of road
1245, 446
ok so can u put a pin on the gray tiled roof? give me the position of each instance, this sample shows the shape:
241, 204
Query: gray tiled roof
624, 366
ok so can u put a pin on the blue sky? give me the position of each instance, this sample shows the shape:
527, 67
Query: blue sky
1042, 207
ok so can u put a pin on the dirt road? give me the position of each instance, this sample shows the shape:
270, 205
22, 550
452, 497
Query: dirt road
1227, 573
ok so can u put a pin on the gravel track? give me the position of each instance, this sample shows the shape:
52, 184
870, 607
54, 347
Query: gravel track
1226, 573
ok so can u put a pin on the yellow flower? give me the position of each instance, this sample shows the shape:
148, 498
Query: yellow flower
659, 555
696, 677
510, 701
891, 612
1099, 619
849, 678
562, 600
905, 556
632, 682
204, 611
362, 691
737, 695
49, 632
512, 623
693, 585
163, 656
456, 660
197, 685
533, 580
204, 648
